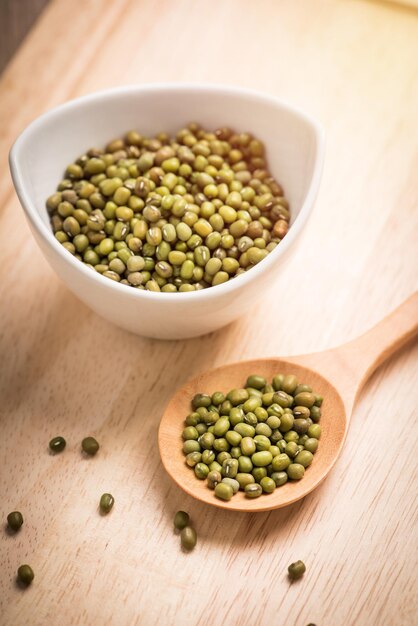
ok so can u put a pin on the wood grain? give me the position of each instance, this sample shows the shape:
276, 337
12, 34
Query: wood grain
354, 65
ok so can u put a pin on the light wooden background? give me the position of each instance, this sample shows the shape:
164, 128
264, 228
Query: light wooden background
352, 64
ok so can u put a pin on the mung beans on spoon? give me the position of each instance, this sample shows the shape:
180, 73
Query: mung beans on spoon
337, 374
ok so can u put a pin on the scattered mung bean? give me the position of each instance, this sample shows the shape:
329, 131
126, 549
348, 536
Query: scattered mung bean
25, 574
296, 570
181, 519
57, 444
15, 520
188, 538
90, 446
106, 503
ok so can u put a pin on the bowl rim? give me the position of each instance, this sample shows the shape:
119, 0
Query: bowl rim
204, 294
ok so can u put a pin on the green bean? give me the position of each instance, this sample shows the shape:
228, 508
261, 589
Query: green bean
106, 503
224, 491
181, 520
90, 446
188, 538
213, 478
25, 575
15, 520
232, 482
296, 570
57, 444
253, 490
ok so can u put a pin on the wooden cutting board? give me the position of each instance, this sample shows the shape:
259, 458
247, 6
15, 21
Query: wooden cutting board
354, 65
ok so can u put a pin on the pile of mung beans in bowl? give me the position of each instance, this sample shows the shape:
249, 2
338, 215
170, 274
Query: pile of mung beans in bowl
89, 161
171, 214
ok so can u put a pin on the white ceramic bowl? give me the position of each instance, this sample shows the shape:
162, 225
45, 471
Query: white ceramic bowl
295, 149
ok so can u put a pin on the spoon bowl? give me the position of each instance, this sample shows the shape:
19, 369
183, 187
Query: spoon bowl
333, 425
348, 366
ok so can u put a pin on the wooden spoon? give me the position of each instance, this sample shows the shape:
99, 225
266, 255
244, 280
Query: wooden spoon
345, 368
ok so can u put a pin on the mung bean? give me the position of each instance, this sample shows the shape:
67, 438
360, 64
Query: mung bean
191, 195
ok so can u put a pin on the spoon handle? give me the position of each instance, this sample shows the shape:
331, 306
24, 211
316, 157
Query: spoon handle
370, 350
349, 366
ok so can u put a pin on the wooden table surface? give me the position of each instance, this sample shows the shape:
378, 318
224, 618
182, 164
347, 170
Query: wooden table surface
353, 65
